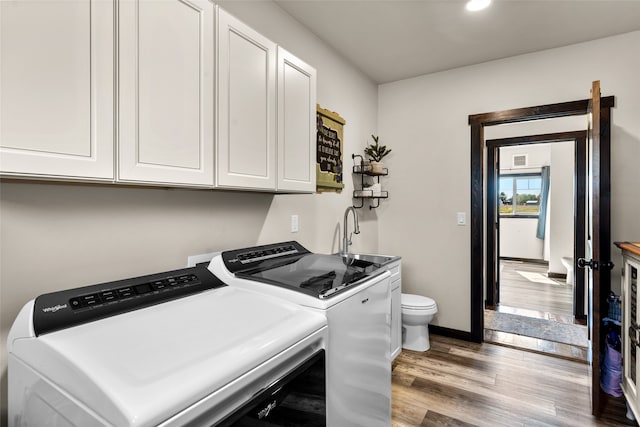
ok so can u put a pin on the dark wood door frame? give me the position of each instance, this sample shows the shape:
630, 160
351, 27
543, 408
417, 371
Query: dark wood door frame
492, 262
477, 123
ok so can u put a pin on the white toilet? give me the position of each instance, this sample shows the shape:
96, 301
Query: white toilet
568, 264
417, 312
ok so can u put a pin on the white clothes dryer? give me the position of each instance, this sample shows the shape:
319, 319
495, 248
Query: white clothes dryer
170, 349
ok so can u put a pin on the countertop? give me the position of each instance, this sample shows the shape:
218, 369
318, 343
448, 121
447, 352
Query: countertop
633, 247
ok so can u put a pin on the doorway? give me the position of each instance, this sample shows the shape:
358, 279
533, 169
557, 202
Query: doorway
535, 197
536, 205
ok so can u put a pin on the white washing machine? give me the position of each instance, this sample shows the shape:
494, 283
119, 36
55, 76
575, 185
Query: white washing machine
170, 349
355, 297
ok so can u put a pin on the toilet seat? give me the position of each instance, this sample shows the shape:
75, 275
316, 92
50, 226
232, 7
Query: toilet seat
417, 302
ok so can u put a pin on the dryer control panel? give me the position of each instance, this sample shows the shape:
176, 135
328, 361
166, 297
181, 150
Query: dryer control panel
64, 309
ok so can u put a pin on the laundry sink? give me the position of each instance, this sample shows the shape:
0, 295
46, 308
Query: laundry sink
369, 262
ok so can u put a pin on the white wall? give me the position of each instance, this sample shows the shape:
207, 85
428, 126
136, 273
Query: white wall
425, 121
57, 236
561, 199
538, 155
518, 238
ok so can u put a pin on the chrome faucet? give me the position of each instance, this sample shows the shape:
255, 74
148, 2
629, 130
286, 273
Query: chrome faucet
346, 241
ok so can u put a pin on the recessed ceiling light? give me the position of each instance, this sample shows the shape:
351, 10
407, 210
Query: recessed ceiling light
475, 5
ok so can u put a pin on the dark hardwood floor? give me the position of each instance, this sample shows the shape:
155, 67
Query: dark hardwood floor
458, 383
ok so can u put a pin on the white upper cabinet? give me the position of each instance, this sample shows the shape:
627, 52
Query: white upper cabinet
296, 124
166, 92
246, 107
57, 89
200, 98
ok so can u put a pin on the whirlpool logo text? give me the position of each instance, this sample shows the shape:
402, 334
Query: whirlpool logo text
54, 308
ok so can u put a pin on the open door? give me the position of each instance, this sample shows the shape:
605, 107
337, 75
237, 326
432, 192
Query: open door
596, 264
600, 219
493, 224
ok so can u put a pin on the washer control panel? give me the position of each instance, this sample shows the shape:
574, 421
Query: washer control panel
241, 259
64, 309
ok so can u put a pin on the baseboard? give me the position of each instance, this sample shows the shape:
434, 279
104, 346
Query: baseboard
581, 320
531, 260
451, 333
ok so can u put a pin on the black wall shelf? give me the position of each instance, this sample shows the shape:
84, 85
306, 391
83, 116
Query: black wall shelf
364, 169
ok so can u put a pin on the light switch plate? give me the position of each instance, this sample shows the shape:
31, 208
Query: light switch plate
462, 218
294, 223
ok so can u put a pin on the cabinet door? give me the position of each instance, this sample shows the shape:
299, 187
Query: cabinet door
359, 364
296, 124
396, 318
631, 320
166, 101
57, 89
246, 127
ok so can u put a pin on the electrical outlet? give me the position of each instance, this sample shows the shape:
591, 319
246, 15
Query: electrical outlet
294, 223
462, 218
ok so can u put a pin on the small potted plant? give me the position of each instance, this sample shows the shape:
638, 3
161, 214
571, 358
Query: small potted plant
376, 153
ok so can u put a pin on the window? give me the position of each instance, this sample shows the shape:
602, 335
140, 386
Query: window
519, 195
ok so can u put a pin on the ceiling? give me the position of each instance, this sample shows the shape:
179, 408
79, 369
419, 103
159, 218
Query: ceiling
391, 40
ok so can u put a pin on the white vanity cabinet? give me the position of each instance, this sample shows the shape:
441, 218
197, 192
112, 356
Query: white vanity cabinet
396, 308
246, 107
296, 124
166, 92
57, 88
630, 322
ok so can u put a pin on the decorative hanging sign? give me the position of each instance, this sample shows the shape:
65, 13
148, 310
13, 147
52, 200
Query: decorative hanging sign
329, 137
